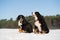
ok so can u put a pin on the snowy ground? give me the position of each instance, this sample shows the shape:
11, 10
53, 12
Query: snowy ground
13, 34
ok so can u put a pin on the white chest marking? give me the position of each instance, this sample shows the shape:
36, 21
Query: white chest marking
38, 25
36, 18
19, 24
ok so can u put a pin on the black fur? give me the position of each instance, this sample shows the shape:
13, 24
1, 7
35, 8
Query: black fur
43, 23
26, 26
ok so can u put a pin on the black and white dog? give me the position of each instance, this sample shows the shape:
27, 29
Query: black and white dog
40, 24
24, 25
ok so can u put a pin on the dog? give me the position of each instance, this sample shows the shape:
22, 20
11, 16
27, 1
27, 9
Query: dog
24, 25
40, 24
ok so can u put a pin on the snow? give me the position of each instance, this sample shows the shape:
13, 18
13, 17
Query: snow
13, 34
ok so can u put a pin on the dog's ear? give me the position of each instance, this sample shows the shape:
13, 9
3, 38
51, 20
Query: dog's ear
18, 17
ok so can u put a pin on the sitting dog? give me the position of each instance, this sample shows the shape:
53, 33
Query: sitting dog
40, 24
24, 25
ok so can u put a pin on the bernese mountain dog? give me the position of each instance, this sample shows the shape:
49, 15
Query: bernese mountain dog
24, 25
40, 24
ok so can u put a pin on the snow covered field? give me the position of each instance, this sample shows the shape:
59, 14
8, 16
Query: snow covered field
13, 34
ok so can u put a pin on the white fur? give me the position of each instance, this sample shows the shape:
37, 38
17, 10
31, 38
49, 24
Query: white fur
19, 24
38, 25
35, 16
37, 22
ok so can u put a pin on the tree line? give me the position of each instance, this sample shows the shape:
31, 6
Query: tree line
53, 22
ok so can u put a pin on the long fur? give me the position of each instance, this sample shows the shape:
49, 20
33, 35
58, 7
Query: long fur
41, 20
26, 26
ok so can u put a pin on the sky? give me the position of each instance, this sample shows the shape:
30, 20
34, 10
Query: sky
13, 8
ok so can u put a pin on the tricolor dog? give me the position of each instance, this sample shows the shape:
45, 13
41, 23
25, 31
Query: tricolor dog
24, 25
40, 24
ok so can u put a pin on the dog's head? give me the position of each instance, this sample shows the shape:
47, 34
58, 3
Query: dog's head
36, 15
20, 19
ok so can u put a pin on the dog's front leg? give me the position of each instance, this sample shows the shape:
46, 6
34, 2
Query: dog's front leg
20, 29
